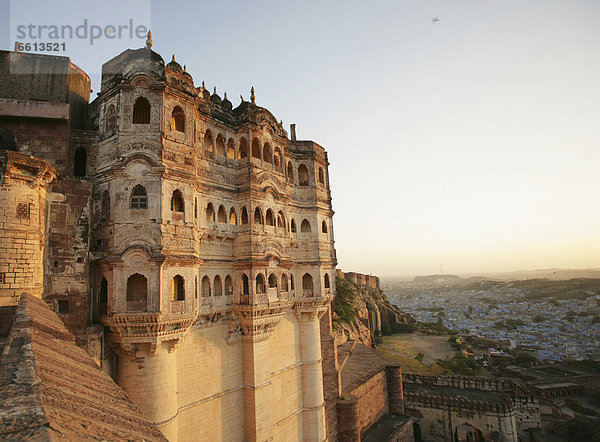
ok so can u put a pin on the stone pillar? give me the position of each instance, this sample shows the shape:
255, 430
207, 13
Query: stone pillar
395, 389
312, 375
150, 381
257, 412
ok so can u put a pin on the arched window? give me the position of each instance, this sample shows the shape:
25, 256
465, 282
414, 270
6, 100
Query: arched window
139, 198
103, 294
277, 165
245, 285
293, 226
111, 119
232, 217
280, 222
290, 172
307, 282
267, 154
243, 149
205, 291
80, 162
137, 292
260, 283
195, 208
208, 141
195, 287
291, 282
218, 286
220, 145
210, 213
284, 283
244, 216
305, 226
177, 202
105, 207
303, 175
258, 216
326, 280
272, 281
255, 149
178, 119
321, 176
221, 215
228, 286
230, 149
324, 227
269, 218
141, 111
178, 288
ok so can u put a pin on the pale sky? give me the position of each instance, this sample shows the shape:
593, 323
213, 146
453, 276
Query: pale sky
473, 141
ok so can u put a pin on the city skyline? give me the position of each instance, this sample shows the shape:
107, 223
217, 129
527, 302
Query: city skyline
467, 142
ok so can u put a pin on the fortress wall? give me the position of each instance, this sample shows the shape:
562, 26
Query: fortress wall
285, 367
66, 260
22, 224
527, 415
372, 398
331, 379
360, 279
22, 215
210, 385
440, 424
151, 383
43, 138
473, 382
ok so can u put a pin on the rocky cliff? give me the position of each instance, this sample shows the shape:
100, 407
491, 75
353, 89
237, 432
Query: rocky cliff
362, 312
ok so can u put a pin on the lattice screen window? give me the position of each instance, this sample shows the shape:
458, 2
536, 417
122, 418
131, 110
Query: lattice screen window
23, 210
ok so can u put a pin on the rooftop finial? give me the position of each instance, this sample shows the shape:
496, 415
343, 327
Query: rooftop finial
226, 95
173, 59
215, 90
252, 97
203, 87
184, 67
149, 40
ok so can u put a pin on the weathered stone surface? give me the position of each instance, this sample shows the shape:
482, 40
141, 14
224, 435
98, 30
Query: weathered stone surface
50, 389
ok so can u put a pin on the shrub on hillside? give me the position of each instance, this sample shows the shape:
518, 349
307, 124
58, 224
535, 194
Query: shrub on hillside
343, 304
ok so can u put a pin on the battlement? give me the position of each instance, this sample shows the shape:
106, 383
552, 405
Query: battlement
468, 382
359, 279
459, 404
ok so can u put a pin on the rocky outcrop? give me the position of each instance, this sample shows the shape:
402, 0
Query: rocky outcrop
362, 311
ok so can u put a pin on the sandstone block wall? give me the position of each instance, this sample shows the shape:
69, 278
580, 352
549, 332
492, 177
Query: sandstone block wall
66, 265
372, 400
331, 380
442, 424
23, 183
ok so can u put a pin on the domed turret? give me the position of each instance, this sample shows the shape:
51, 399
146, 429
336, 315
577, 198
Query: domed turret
174, 66
226, 103
204, 92
187, 74
215, 98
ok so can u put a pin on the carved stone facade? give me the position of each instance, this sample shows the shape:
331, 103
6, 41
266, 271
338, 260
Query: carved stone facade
197, 234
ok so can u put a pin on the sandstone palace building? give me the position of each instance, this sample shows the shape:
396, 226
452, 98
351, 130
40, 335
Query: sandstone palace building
186, 243
162, 243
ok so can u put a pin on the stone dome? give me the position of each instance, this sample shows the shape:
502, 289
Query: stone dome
215, 97
174, 66
226, 103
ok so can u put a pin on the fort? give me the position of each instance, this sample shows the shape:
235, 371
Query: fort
184, 247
